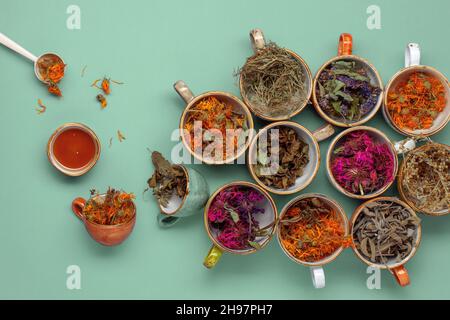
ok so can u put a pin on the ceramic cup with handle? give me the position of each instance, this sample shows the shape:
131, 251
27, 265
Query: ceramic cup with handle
316, 267
345, 53
238, 107
395, 148
259, 43
108, 235
397, 268
195, 198
312, 167
412, 65
266, 220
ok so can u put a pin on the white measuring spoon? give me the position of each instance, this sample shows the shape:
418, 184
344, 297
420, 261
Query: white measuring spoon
7, 42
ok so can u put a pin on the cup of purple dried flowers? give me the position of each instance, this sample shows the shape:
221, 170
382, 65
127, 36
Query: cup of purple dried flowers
240, 218
347, 89
386, 234
362, 162
284, 157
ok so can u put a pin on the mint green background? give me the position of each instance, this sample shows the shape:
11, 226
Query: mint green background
149, 45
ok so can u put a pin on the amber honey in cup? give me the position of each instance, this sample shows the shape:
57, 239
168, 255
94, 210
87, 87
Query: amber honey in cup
73, 149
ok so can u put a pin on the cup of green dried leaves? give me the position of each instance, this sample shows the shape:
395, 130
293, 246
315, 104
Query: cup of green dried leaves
347, 89
179, 190
275, 82
284, 157
424, 179
386, 233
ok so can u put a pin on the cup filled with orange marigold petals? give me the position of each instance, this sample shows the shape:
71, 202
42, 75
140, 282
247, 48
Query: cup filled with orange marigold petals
417, 98
109, 218
313, 230
215, 127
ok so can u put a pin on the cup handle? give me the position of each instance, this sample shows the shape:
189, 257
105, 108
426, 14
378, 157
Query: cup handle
78, 207
412, 55
183, 90
401, 275
345, 46
324, 132
405, 145
166, 221
257, 39
317, 277
213, 257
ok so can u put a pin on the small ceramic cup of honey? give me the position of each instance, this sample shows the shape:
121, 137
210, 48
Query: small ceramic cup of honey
345, 55
195, 198
431, 86
258, 43
205, 153
397, 268
388, 157
73, 149
265, 217
310, 138
285, 238
107, 235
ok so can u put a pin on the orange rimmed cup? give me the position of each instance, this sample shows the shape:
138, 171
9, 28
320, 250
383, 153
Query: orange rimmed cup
316, 267
258, 43
345, 53
107, 235
310, 170
397, 269
73, 149
266, 220
396, 148
238, 107
412, 65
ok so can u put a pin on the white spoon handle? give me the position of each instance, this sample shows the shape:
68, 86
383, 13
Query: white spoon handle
7, 42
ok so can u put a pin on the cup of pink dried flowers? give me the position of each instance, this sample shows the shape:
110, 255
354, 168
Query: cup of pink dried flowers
362, 161
240, 218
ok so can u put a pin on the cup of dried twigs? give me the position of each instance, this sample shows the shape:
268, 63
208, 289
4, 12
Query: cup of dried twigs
275, 82
215, 127
417, 98
284, 157
424, 179
362, 161
313, 230
109, 218
347, 89
240, 218
386, 233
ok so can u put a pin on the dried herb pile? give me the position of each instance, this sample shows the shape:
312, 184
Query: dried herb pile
105, 87
167, 180
115, 207
292, 154
312, 230
385, 232
426, 177
415, 103
274, 82
344, 91
216, 117
232, 215
51, 69
360, 164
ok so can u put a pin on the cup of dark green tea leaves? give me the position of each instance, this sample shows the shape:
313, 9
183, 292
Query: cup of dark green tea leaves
275, 82
386, 233
347, 89
179, 190
284, 157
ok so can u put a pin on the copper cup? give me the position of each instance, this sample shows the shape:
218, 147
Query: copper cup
107, 235
397, 269
186, 94
345, 52
74, 172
